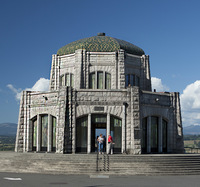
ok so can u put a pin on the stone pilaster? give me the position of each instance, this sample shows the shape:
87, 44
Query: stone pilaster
20, 127
50, 134
89, 134
148, 134
79, 77
38, 148
136, 120
124, 129
121, 69
178, 129
108, 131
160, 135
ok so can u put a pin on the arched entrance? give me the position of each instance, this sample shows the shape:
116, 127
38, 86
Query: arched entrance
88, 128
43, 133
98, 127
154, 135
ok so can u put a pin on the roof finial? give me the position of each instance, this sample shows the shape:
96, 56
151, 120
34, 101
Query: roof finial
101, 34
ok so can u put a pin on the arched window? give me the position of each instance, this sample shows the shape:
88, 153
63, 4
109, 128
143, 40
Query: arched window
44, 134
67, 80
132, 80
108, 81
100, 80
92, 81
154, 134
44, 130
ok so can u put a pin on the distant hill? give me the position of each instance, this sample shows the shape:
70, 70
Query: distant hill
192, 129
8, 129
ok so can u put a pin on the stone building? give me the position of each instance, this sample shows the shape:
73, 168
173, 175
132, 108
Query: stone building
100, 85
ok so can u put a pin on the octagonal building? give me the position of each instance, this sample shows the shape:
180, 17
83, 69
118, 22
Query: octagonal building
100, 85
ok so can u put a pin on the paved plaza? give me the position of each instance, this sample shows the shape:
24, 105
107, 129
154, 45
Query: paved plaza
33, 180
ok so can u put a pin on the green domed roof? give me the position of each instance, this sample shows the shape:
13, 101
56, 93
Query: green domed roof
100, 43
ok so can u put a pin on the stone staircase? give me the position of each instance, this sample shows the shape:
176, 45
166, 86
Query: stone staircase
117, 164
155, 165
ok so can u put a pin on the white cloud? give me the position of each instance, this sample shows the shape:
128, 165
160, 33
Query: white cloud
190, 99
17, 92
41, 85
190, 104
157, 84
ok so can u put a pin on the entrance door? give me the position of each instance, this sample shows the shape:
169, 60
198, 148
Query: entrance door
98, 127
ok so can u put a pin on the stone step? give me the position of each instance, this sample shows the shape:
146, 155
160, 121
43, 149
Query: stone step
86, 164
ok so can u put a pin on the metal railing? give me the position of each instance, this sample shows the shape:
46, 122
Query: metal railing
102, 161
192, 150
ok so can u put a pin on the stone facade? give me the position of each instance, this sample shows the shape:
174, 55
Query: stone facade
86, 84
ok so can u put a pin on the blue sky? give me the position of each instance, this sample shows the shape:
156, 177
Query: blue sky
167, 30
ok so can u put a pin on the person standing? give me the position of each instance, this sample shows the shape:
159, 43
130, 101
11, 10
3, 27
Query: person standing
100, 142
110, 144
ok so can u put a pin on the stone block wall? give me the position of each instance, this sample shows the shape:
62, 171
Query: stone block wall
118, 64
166, 105
31, 105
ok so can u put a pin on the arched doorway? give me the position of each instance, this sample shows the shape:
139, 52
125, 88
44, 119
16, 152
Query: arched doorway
87, 134
154, 135
98, 127
43, 133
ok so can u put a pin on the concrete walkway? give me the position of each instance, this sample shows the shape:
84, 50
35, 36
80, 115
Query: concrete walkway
35, 180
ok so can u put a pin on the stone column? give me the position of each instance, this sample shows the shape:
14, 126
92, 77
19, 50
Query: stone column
107, 131
89, 134
38, 149
160, 135
29, 135
25, 122
104, 80
148, 134
124, 129
96, 80
50, 134
74, 129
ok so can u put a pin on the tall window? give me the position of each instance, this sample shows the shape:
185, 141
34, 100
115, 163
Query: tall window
67, 80
132, 80
92, 81
144, 135
100, 80
67, 76
54, 134
154, 134
44, 126
43, 134
164, 135
81, 134
108, 81
62, 82
116, 132
34, 134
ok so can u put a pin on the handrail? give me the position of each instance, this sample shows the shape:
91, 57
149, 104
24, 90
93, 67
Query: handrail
97, 160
